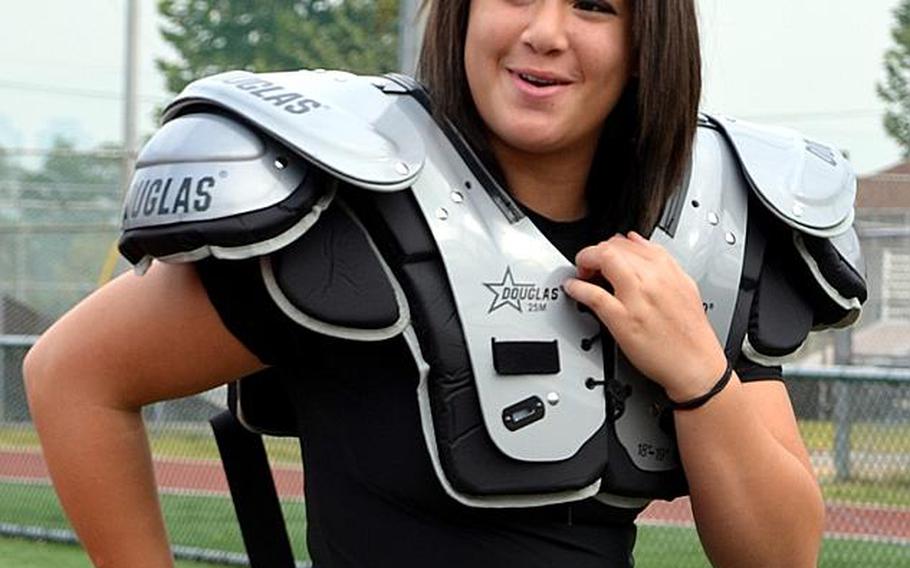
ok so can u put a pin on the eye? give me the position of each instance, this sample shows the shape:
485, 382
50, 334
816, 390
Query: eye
601, 6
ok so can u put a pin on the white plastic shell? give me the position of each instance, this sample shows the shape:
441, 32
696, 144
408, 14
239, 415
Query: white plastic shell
233, 168
341, 122
808, 185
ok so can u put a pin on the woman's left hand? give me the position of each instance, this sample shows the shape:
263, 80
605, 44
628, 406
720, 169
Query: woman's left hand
654, 313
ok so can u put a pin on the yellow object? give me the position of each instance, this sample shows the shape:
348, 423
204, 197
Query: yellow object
109, 266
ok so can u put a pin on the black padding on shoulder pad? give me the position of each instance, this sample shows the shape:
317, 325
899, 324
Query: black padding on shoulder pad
333, 274
781, 318
396, 219
837, 271
233, 231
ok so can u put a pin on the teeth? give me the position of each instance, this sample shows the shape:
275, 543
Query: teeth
537, 80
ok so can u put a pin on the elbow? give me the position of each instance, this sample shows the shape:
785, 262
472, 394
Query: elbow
816, 520
801, 545
785, 530
63, 373
60, 375
38, 378
31, 376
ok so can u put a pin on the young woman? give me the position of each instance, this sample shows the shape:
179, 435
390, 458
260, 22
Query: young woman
586, 111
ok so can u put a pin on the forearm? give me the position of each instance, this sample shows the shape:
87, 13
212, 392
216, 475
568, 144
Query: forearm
100, 464
756, 503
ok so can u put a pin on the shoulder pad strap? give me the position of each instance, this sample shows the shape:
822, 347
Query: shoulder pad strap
343, 123
808, 185
206, 184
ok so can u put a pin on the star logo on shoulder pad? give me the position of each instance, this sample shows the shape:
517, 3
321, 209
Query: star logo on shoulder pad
507, 292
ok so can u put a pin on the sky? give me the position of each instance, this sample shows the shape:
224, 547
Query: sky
808, 64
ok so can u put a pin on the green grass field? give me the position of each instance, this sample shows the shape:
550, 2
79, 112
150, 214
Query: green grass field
864, 436
15, 553
186, 442
198, 521
196, 441
657, 547
887, 492
671, 547
209, 522
893, 490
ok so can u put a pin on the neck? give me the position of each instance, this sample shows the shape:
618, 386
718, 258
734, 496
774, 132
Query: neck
552, 185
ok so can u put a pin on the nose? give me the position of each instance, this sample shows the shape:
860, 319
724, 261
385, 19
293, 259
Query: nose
545, 32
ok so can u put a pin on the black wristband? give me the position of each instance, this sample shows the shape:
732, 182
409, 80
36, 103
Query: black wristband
701, 400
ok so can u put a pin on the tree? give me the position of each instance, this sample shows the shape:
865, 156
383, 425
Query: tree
70, 176
8, 170
10, 176
72, 172
211, 36
895, 90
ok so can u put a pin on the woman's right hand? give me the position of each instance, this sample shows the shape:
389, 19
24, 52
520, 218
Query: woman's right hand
136, 341
655, 313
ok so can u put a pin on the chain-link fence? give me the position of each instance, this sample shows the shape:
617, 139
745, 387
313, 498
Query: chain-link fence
851, 393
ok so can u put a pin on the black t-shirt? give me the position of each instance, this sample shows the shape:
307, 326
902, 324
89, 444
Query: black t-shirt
373, 499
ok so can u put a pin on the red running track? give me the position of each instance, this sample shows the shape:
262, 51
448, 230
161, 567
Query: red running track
205, 476
173, 475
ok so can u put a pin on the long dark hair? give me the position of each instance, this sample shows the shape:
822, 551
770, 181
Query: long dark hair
647, 141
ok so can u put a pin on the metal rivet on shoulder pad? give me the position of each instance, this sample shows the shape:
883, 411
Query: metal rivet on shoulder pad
457, 197
281, 163
713, 218
553, 398
798, 210
402, 168
730, 238
442, 214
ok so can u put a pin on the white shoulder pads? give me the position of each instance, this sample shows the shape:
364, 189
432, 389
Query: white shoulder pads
813, 274
808, 185
207, 185
343, 123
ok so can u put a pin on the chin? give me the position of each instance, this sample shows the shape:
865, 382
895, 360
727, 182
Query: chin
535, 141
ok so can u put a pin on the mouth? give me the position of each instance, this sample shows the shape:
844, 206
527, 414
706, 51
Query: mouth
538, 79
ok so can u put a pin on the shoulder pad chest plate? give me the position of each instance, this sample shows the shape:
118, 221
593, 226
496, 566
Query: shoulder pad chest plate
342, 122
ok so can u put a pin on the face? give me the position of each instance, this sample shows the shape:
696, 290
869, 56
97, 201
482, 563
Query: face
545, 74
